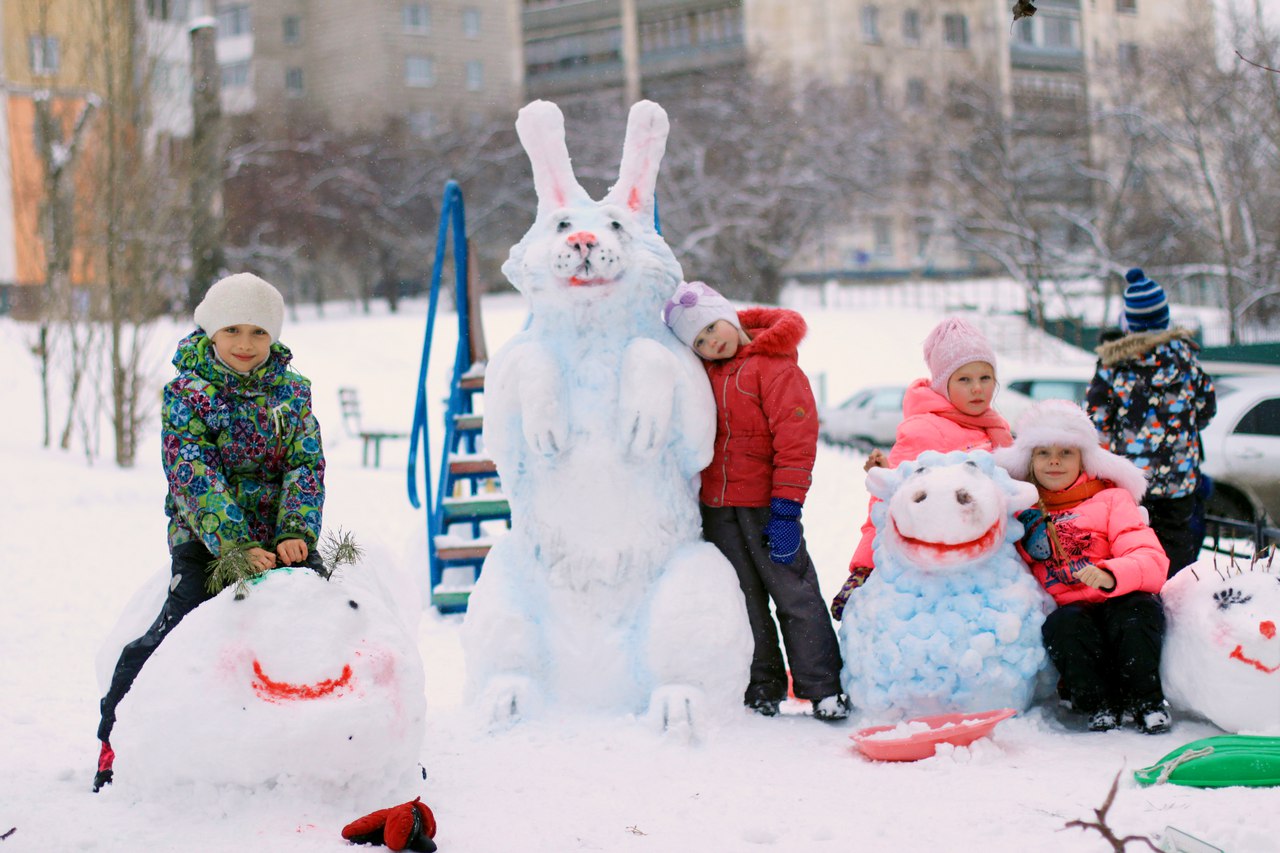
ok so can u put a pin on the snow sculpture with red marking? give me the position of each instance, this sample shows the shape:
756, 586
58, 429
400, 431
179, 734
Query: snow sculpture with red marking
603, 596
1221, 656
304, 682
950, 619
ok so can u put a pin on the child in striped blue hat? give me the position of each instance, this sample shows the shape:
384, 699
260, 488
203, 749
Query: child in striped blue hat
1150, 399
1145, 305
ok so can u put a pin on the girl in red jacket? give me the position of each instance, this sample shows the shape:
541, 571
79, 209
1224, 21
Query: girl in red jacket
950, 410
754, 488
1090, 546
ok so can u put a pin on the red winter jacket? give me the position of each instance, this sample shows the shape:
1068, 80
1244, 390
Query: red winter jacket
922, 428
1108, 531
766, 418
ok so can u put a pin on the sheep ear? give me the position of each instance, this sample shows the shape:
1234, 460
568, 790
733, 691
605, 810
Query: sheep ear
540, 126
642, 151
881, 482
1023, 496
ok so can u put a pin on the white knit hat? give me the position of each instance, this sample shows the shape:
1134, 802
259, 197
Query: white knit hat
1065, 424
240, 299
693, 307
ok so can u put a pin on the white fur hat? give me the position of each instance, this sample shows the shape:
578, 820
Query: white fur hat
693, 307
239, 299
1065, 424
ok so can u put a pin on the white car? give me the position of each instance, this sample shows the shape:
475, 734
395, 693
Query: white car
1242, 448
869, 418
1018, 394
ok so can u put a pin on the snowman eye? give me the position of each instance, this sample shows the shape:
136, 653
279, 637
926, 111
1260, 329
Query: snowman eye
919, 496
353, 605
1227, 597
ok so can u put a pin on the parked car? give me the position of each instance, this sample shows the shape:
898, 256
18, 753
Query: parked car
1242, 448
869, 418
1018, 393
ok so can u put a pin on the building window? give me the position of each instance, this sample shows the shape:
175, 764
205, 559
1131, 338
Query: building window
1127, 6
915, 92
475, 75
1127, 55
955, 30
416, 18
234, 21
882, 235
293, 82
292, 29
423, 123
419, 71
471, 23
876, 90
871, 24
911, 26
44, 54
1049, 31
924, 230
167, 10
235, 75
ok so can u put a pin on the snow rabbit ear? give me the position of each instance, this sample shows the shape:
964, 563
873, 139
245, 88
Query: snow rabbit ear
540, 126
642, 150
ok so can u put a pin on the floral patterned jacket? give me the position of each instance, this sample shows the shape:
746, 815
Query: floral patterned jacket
242, 453
1150, 400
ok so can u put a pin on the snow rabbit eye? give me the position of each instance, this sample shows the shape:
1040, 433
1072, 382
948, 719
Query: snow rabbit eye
562, 225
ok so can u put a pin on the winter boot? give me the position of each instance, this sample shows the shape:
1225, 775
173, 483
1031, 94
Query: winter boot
1153, 719
832, 709
763, 707
106, 757
1104, 720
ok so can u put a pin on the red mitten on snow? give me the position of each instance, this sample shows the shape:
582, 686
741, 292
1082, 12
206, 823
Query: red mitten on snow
367, 829
409, 826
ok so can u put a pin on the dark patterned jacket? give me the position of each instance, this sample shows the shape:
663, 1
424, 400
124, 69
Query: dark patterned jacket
242, 454
1150, 400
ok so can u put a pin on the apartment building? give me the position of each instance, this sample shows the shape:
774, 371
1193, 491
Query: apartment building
907, 53
356, 63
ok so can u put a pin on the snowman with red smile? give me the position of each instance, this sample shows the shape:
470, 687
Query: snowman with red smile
1221, 656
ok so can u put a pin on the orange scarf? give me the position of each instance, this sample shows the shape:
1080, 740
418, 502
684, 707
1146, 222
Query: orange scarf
1074, 494
990, 422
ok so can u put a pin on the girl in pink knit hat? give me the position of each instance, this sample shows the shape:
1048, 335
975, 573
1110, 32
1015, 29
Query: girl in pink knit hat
949, 410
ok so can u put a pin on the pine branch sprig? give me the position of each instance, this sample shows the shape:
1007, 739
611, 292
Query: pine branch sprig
232, 566
339, 548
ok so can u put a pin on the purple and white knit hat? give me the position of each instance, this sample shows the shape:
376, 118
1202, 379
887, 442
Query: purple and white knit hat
693, 307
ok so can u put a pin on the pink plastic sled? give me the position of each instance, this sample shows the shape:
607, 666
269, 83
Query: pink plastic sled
956, 729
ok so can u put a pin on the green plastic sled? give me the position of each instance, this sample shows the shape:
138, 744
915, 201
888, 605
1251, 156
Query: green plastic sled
1218, 762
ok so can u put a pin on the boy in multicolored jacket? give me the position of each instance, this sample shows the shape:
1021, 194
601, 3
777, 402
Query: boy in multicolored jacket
1150, 399
243, 458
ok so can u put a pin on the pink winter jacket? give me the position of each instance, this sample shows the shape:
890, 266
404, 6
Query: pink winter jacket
922, 428
1109, 531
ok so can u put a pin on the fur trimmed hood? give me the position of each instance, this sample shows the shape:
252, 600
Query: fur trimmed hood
773, 331
1138, 345
1064, 423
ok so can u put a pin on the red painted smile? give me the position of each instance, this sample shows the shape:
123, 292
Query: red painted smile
941, 550
1239, 655
279, 691
574, 281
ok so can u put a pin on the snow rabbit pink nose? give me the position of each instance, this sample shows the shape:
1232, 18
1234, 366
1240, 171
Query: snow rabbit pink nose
581, 241
1267, 629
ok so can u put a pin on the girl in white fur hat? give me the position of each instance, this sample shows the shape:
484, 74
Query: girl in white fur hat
1089, 545
244, 462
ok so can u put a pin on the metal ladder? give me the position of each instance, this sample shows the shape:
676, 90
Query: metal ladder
469, 509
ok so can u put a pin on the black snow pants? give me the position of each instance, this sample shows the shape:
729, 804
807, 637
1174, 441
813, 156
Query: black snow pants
189, 570
1172, 521
810, 640
1108, 653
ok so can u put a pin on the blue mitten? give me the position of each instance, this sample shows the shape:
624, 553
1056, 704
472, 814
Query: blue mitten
782, 532
1035, 536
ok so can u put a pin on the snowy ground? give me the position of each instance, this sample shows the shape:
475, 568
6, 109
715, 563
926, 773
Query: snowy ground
565, 784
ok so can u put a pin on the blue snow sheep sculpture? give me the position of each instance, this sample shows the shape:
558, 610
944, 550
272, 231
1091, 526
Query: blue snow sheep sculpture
603, 595
950, 620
